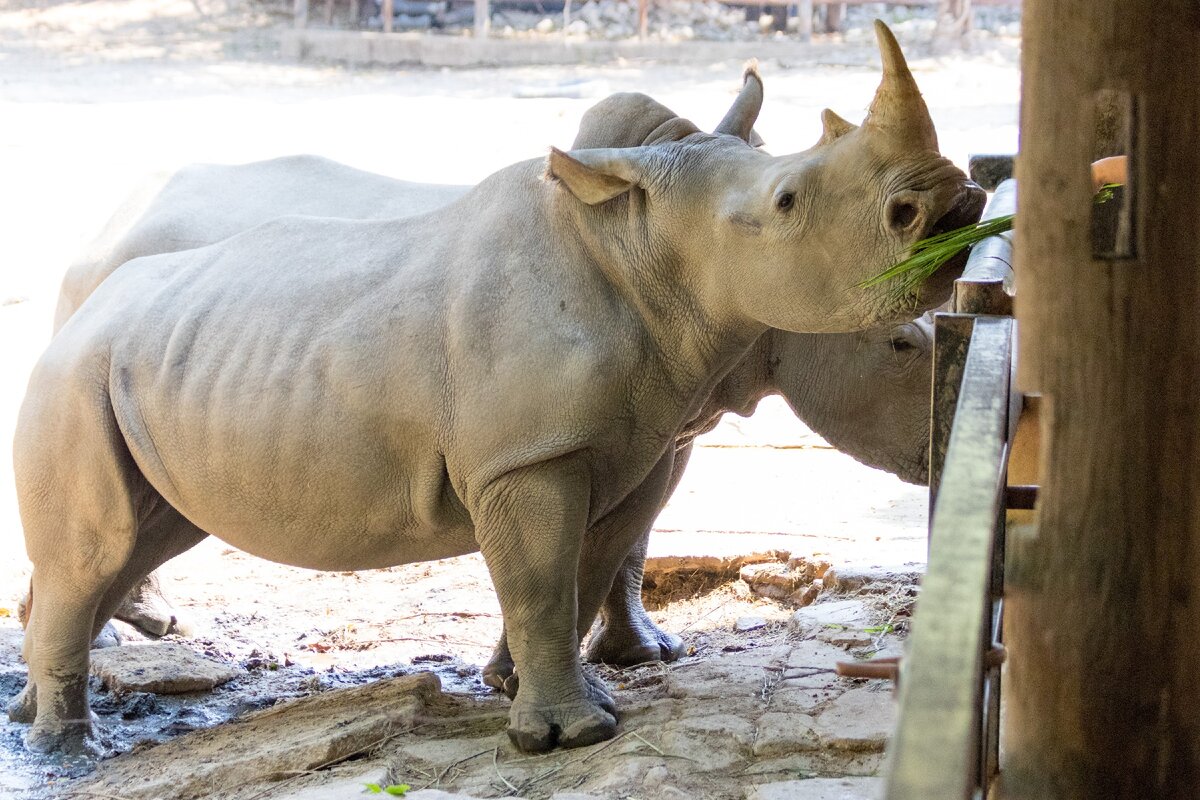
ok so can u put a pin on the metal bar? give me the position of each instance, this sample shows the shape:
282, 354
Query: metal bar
935, 751
986, 284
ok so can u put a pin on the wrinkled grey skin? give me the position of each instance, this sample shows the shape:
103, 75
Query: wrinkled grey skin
868, 392
362, 396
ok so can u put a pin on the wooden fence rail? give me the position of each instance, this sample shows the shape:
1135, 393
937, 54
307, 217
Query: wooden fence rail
947, 739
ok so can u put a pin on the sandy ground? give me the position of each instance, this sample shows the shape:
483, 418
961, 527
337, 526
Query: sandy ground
96, 95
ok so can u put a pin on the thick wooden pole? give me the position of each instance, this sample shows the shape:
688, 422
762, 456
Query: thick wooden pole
1103, 594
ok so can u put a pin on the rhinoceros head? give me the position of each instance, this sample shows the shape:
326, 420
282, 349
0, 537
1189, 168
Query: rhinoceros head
787, 241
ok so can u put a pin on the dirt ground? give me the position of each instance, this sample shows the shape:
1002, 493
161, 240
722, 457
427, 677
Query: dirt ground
96, 95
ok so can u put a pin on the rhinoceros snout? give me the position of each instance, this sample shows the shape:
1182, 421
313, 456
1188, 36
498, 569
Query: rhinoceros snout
965, 209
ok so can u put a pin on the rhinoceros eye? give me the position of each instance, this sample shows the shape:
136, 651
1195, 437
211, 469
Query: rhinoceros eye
784, 201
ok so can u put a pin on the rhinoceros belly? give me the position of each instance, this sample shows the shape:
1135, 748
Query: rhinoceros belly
296, 479
303, 430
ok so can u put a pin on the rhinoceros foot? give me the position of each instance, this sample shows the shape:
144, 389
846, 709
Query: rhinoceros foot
631, 642
501, 675
537, 728
71, 738
500, 670
50, 733
23, 707
146, 608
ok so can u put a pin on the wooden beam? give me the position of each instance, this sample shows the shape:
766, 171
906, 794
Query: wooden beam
1104, 593
388, 10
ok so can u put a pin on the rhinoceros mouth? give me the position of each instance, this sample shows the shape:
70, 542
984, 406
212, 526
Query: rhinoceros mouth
965, 210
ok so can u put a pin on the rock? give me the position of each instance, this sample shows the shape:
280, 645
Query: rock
860, 720
806, 596
338, 787
841, 622
819, 789
712, 742
673, 793
161, 668
845, 581
656, 776
438, 794
745, 624
775, 581
813, 569
781, 733
286, 739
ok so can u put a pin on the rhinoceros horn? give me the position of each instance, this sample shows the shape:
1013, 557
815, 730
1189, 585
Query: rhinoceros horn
739, 120
898, 109
833, 127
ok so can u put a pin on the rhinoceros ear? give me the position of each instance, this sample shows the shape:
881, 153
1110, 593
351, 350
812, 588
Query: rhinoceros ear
595, 176
739, 120
833, 127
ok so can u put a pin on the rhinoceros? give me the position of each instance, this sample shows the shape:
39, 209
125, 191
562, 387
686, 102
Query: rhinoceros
342, 394
865, 391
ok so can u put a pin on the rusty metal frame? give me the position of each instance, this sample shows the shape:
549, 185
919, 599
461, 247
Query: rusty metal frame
947, 741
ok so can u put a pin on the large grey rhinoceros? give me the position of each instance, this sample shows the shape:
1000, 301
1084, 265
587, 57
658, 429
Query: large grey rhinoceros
866, 391
343, 394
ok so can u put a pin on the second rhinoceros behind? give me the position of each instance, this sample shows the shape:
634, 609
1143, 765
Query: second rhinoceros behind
346, 395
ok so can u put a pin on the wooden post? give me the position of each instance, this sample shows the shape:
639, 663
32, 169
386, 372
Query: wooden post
804, 13
483, 19
1103, 594
328, 12
388, 10
300, 13
643, 19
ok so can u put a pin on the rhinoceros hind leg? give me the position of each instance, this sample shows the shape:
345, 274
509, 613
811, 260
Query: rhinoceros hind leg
164, 534
626, 635
55, 695
635, 640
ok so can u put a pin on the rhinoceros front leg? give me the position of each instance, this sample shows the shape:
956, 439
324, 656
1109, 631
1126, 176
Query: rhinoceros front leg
608, 546
626, 635
530, 524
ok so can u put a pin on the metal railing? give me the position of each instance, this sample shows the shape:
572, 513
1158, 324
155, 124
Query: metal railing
946, 744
